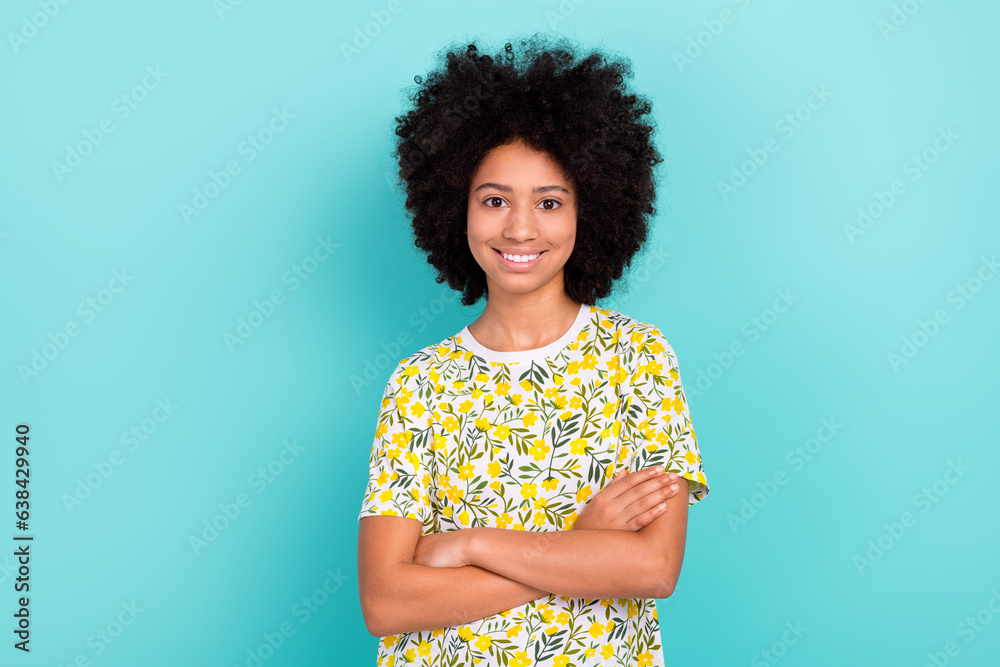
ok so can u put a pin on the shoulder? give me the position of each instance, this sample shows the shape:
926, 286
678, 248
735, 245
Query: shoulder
421, 363
635, 335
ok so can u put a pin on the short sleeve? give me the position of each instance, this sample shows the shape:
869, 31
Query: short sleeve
397, 480
658, 417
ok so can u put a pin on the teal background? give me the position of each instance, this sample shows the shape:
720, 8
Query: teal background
313, 371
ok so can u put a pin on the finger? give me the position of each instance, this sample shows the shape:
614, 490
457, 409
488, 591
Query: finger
646, 517
643, 482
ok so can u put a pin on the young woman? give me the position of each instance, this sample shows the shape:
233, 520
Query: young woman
530, 475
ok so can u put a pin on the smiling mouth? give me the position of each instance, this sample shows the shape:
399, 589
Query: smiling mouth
518, 265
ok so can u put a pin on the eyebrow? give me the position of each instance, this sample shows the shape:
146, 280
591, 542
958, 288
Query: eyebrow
507, 188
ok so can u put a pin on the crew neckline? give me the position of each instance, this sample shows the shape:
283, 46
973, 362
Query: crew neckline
524, 356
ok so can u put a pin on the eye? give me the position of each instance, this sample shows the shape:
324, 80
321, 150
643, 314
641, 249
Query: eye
554, 202
491, 199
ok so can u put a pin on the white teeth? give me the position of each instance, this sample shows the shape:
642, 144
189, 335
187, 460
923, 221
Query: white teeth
520, 258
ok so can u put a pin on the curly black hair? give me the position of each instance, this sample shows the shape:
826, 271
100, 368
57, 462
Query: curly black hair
576, 109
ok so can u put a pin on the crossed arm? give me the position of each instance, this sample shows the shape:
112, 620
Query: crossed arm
481, 571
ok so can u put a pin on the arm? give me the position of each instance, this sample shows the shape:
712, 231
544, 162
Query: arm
588, 563
399, 596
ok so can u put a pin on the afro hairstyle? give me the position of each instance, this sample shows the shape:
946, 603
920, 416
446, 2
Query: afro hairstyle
575, 108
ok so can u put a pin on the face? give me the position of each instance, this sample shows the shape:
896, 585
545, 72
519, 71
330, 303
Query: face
522, 204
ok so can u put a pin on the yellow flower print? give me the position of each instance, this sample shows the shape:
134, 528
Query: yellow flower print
465, 632
493, 468
465, 406
409, 654
446, 512
465, 471
691, 458
438, 442
380, 431
464, 517
539, 518
573, 368
568, 521
501, 388
444, 481
482, 377
513, 632
578, 446
476, 393
590, 652
441, 350
528, 490
645, 659
515, 399
385, 495
526, 385
560, 660
484, 642
503, 520
589, 361
575, 402
501, 432
393, 453
560, 403
674, 374
402, 438
517, 526
418, 409
583, 494
450, 424
541, 502
551, 392
562, 618
633, 609
617, 377
539, 450
607, 651
424, 649
550, 484
403, 396
521, 659
529, 419
551, 630
547, 614
390, 641
382, 478
455, 494
596, 630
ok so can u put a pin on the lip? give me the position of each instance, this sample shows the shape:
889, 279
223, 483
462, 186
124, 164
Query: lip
519, 266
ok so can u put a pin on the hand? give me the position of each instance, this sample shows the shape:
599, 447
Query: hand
629, 502
442, 549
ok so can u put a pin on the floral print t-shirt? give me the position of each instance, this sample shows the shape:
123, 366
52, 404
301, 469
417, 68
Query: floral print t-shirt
469, 436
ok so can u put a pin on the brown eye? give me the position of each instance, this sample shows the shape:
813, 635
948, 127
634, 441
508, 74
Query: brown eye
554, 202
493, 199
